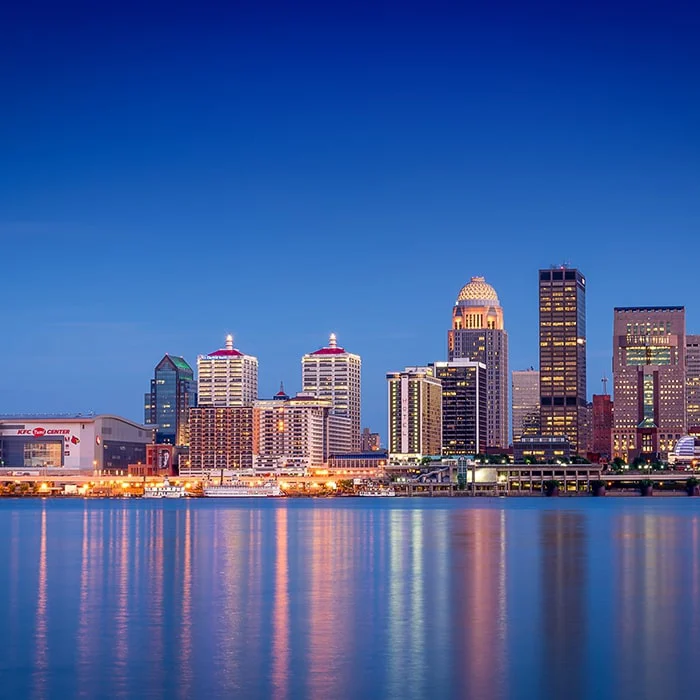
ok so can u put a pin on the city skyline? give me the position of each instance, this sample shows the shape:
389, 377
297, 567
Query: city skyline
153, 200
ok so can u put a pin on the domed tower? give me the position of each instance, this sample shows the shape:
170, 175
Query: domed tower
478, 334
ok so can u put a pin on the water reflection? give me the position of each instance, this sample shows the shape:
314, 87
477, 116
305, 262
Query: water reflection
513, 599
563, 612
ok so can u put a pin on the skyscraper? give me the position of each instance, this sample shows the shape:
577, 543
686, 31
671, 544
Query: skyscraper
526, 403
602, 424
478, 334
168, 403
692, 383
227, 377
335, 374
563, 402
649, 351
415, 414
463, 406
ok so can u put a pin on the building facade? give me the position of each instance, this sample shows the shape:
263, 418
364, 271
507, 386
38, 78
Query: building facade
227, 377
464, 412
103, 443
415, 414
220, 438
334, 374
562, 331
478, 334
291, 434
173, 392
526, 402
692, 383
370, 442
602, 425
649, 352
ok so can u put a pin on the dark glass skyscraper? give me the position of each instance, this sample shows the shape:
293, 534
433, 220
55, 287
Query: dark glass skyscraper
563, 403
173, 392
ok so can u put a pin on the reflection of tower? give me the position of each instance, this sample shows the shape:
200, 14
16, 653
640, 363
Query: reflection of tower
479, 602
478, 334
563, 547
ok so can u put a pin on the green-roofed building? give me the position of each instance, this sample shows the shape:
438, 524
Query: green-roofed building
173, 393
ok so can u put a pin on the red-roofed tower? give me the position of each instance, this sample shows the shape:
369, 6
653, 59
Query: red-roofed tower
227, 377
333, 373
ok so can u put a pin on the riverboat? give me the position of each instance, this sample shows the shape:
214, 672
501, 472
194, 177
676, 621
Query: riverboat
238, 489
164, 490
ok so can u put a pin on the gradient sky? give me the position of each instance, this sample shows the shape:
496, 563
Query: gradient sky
169, 175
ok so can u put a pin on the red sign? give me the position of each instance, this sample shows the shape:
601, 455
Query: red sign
40, 432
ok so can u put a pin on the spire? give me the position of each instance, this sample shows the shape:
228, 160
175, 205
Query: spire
332, 341
281, 387
229, 342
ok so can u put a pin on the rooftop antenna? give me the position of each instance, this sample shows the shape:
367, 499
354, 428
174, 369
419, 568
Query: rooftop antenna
604, 380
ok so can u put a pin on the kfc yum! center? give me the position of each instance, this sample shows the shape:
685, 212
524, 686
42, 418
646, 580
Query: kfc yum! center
83, 443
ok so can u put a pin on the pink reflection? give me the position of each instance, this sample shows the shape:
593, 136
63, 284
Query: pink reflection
41, 662
280, 615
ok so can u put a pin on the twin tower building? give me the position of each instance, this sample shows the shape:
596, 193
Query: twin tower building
225, 426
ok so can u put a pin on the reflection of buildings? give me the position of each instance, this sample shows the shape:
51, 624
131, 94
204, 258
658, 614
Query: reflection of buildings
478, 334
479, 602
564, 613
415, 414
172, 394
650, 382
563, 402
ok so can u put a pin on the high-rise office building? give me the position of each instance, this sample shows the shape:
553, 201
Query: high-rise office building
649, 351
692, 383
333, 373
167, 405
292, 433
220, 438
563, 402
415, 414
463, 406
478, 334
602, 424
227, 377
526, 403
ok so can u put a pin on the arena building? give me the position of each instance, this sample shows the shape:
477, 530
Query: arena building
104, 443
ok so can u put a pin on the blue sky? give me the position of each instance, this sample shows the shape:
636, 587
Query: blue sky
168, 175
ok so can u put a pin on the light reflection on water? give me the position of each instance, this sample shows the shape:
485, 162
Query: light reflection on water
594, 598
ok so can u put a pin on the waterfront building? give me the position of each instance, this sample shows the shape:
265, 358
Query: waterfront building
167, 404
220, 438
602, 424
464, 406
369, 441
562, 331
547, 449
333, 373
104, 444
649, 351
692, 382
478, 334
375, 461
526, 402
227, 377
415, 414
292, 433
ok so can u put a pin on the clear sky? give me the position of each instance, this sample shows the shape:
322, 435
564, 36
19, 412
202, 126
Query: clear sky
170, 175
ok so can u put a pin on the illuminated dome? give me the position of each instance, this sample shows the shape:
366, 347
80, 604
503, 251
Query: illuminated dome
478, 292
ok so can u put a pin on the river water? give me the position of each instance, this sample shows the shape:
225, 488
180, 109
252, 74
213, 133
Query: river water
350, 598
